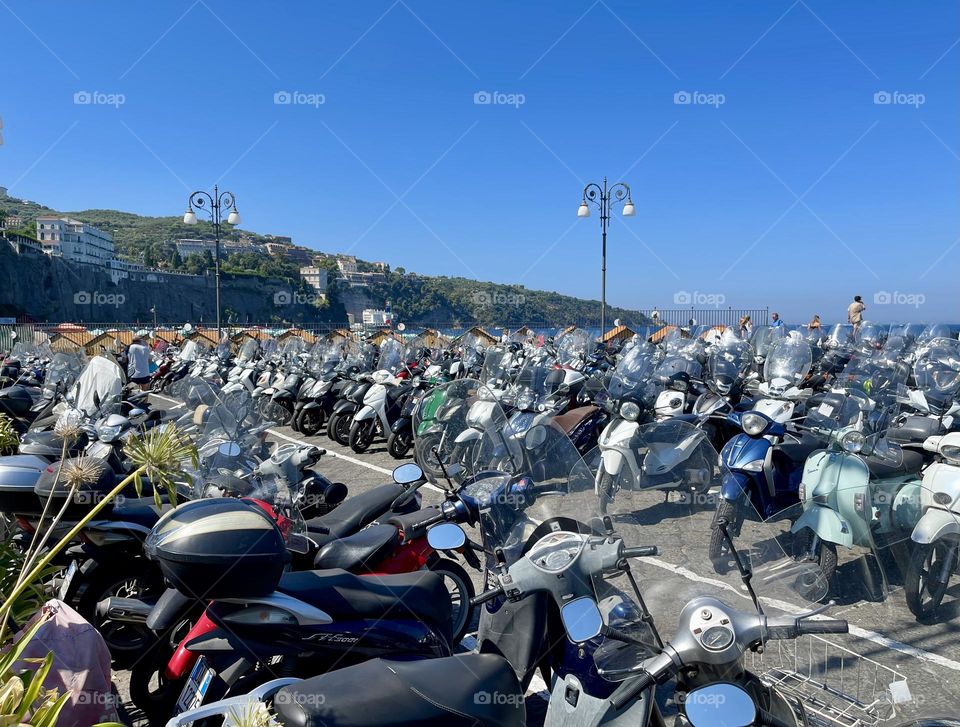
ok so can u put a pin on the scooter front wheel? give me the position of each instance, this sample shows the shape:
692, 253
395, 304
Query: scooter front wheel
311, 422
338, 428
928, 576
398, 444
361, 435
813, 583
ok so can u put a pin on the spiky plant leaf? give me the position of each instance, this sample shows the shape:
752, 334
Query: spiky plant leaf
82, 471
159, 456
11, 565
9, 439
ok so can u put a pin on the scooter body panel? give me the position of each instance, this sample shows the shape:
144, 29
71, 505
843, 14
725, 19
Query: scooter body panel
827, 524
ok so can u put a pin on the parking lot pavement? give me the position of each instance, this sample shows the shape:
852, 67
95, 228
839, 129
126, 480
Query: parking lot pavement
927, 655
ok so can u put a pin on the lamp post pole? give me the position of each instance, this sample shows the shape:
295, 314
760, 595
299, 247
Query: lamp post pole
603, 197
214, 203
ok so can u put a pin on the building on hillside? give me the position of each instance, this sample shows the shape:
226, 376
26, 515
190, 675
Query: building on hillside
315, 277
376, 318
120, 269
346, 264
74, 240
188, 246
11, 222
299, 255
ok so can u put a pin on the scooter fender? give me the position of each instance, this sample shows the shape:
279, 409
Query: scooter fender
343, 405
401, 424
827, 524
618, 432
468, 435
612, 461
735, 485
935, 524
366, 412
311, 405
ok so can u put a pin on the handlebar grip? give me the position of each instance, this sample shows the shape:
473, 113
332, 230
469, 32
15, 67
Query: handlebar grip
641, 551
439, 517
824, 626
487, 596
629, 690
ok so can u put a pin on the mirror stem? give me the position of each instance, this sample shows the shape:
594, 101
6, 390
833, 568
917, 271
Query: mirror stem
645, 614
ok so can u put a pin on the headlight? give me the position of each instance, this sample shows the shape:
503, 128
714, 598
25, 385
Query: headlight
754, 424
853, 442
950, 452
108, 434
630, 411
754, 466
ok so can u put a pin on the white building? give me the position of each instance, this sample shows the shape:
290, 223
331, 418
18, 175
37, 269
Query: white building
120, 269
74, 240
375, 317
187, 246
315, 277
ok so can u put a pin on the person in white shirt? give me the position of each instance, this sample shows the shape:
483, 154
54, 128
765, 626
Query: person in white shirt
138, 368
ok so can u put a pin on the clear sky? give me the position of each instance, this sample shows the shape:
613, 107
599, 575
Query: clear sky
780, 153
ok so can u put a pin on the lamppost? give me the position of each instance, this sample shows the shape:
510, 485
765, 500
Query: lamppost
215, 202
604, 197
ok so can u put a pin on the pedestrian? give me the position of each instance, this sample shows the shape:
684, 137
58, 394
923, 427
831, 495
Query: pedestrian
775, 321
814, 324
746, 327
655, 316
138, 366
855, 314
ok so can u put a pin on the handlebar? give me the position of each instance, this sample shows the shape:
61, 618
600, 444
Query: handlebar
641, 551
487, 596
824, 626
630, 689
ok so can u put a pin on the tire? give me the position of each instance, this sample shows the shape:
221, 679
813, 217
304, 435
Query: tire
815, 584
311, 422
361, 435
423, 454
719, 549
924, 594
461, 590
399, 443
126, 641
151, 692
338, 428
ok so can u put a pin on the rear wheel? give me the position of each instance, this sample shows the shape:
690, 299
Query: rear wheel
928, 576
399, 443
152, 692
361, 435
461, 590
814, 583
311, 421
338, 428
126, 641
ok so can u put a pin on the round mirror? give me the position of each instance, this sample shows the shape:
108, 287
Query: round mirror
229, 449
134, 413
581, 618
407, 474
535, 437
446, 536
720, 705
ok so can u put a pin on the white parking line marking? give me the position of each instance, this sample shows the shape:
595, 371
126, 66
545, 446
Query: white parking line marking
786, 607
177, 404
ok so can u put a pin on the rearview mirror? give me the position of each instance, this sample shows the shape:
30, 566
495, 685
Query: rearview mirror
229, 449
581, 619
722, 703
446, 536
407, 474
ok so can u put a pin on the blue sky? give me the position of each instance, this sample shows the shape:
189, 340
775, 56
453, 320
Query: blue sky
786, 180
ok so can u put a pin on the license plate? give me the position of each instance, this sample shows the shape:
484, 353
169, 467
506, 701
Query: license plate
192, 695
67, 580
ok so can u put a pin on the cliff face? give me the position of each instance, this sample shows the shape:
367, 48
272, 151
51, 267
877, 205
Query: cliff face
49, 289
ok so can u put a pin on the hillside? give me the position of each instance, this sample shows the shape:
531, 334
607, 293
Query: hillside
414, 298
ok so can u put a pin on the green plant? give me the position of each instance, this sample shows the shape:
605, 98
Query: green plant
11, 568
9, 439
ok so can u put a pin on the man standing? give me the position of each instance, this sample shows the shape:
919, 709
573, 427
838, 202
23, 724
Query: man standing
775, 321
855, 313
138, 368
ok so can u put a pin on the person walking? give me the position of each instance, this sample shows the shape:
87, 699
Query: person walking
746, 327
855, 314
138, 366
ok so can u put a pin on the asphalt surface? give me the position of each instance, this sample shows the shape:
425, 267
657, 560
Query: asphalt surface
886, 643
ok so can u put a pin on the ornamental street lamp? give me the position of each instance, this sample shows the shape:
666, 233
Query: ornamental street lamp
604, 197
214, 203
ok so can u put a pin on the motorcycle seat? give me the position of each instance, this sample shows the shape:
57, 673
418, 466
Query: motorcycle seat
574, 418
353, 513
791, 452
138, 510
455, 690
365, 548
911, 463
420, 595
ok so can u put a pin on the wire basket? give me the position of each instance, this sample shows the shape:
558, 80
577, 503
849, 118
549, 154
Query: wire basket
838, 687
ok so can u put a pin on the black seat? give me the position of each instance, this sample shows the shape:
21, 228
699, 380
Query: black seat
353, 513
465, 689
365, 548
420, 595
791, 452
139, 510
911, 464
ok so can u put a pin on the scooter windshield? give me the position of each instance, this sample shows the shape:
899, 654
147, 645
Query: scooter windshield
391, 356
249, 350
727, 363
632, 371
789, 359
573, 347
937, 370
